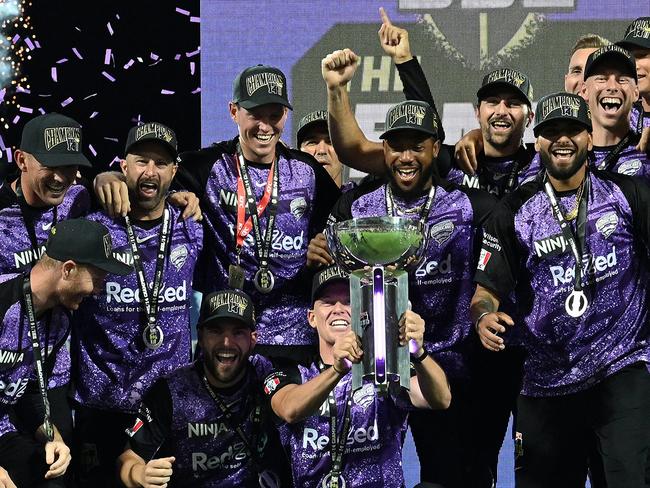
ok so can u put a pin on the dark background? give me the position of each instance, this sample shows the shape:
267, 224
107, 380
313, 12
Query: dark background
140, 28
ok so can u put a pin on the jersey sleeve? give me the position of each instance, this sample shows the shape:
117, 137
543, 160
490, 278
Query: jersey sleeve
153, 423
499, 254
286, 373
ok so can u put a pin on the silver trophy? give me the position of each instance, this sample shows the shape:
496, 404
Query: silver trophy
376, 251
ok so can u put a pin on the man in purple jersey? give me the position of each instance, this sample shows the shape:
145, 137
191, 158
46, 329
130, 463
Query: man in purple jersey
573, 247
206, 424
365, 448
263, 202
36, 303
138, 329
584, 46
41, 192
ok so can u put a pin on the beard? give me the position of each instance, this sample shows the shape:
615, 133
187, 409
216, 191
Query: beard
562, 174
426, 175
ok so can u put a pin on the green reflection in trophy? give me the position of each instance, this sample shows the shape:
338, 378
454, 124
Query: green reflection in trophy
376, 251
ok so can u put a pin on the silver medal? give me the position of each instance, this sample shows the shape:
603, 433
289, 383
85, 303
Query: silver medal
576, 303
327, 482
152, 336
268, 479
264, 280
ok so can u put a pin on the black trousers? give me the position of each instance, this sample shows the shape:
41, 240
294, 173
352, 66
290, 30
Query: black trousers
558, 434
24, 459
99, 439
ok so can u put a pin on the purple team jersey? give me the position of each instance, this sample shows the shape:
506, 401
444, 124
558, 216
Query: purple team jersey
637, 112
523, 249
113, 367
306, 193
18, 254
441, 287
373, 451
630, 162
17, 365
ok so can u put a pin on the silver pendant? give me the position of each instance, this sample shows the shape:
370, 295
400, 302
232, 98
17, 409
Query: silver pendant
328, 482
576, 303
264, 280
152, 335
268, 479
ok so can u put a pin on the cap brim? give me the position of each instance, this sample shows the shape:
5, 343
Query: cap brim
58, 160
634, 44
490, 87
165, 144
112, 266
615, 56
315, 292
303, 129
539, 126
403, 128
248, 104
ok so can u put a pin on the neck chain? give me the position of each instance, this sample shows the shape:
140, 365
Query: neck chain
573, 213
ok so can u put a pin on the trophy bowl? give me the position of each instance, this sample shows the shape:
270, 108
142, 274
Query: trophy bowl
376, 241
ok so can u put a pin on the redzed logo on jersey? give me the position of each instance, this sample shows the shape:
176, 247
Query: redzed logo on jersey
483, 259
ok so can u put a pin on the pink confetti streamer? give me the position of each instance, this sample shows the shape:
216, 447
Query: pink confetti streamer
67, 101
62, 60
2, 94
37, 44
182, 11
29, 43
53, 73
110, 28
15, 39
107, 56
108, 76
196, 20
16, 119
193, 53
77, 53
154, 56
167, 92
26, 110
129, 64
93, 115
92, 149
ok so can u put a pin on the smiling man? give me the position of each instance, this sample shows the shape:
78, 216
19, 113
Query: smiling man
610, 88
207, 423
138, 329
262, 203
34, 310
572, 246
442, 283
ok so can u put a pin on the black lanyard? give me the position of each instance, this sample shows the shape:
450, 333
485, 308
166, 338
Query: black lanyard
612, 156
235, 425
262, 244
153, 333
26, 212
338, 439
638, 105
424, 212
575, 242
48, 427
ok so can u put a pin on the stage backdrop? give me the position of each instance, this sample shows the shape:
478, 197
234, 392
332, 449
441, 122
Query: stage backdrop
457, 41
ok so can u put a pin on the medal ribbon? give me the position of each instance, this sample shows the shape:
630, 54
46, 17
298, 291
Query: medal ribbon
246, 198
150, 302
613, 155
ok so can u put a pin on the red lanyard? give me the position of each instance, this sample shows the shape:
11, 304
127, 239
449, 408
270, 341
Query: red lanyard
244, 228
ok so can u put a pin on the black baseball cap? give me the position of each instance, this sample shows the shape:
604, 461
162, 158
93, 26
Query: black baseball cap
413, 115
227, 304
259, 85
55, 140
152, 132
637, 34
325, 277
509, 79
309, 120
561, 106
84, 242
612, 53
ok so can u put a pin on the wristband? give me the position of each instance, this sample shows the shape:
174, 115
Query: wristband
479, 319
420, 358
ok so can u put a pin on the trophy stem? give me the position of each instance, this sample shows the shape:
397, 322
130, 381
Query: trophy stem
379, 323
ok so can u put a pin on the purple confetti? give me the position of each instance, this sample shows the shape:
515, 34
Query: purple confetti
181, 11
193, 53
16, 119
154, 56
90, 96
54, 75
2, 143
93, 115
67, 101
74, 50
110, 28
140, 59
29, 43
192, 66
62, 60
177, 57
37, 44
92, 149
117, 16
20, 89
167, 92
113, 139
27, 110
41, 111
9, 155
15, 39
108, 76
107, 56
115, 160
198, 90
2, 94
196, 20
129, 64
